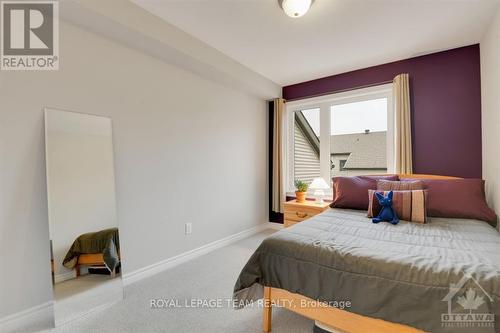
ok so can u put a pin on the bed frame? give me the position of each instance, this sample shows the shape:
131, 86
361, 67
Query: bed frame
338, 319
91, 260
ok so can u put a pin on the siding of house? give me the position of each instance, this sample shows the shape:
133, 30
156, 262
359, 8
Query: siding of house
306, 161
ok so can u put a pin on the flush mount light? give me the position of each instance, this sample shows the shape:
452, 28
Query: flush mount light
295, 8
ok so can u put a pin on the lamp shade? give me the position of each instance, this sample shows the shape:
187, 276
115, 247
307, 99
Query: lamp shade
296, 8
319, 184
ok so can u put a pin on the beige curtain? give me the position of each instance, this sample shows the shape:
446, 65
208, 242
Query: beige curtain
278, 191
401, 91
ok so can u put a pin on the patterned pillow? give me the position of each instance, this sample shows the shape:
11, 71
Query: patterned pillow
409, 205
387, 185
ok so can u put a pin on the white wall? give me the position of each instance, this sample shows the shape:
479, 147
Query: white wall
490, 100
186, 150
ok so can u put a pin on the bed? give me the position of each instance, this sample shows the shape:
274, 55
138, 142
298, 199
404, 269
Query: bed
95, 249
397, 279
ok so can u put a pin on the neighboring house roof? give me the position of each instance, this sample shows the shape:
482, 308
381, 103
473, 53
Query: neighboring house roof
367, 150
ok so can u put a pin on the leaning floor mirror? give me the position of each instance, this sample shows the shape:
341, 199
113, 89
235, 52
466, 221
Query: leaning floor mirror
85, 247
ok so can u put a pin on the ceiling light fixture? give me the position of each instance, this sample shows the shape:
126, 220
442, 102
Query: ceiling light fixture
295, 8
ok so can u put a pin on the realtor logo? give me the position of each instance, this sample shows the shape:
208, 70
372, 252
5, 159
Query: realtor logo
468, 305
30, 35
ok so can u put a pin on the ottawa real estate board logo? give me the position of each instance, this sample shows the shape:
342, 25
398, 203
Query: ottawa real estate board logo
29, 35
468, 305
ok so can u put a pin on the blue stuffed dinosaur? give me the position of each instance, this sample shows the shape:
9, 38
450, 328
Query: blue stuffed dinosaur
387, 213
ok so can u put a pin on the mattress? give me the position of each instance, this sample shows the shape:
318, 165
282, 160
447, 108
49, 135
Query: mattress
438, 277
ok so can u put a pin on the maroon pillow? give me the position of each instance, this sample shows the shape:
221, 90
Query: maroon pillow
352, 192
461, 198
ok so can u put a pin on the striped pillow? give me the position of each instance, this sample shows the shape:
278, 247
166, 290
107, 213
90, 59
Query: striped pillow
409, 205
388, 185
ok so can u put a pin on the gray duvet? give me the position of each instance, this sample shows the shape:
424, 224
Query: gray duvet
400, 273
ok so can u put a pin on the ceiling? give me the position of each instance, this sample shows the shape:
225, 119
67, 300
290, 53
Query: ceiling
334, 37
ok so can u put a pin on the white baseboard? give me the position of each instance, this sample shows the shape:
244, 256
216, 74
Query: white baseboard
145, 272
44, 312
64, 276
275, 226
40, 316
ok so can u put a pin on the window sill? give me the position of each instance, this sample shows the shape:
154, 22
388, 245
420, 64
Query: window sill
310, 196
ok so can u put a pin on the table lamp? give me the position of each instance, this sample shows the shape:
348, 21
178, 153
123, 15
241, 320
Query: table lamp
319, 185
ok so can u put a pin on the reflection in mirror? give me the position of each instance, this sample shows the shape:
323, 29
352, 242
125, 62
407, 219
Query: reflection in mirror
85, 247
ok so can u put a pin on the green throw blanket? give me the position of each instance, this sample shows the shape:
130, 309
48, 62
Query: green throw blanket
104, 241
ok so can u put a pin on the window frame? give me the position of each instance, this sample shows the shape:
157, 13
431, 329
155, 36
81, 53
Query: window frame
341, 164
324, 104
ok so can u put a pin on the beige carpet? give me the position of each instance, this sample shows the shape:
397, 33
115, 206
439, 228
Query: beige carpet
209, 277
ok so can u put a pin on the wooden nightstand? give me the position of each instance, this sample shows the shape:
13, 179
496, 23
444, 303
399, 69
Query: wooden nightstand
297, 212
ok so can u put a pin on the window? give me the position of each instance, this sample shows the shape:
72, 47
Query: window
350, 133
342, 164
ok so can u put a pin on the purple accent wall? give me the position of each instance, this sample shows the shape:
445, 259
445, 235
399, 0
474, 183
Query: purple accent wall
445, 103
